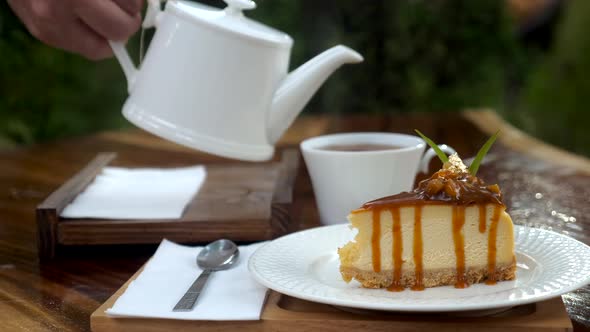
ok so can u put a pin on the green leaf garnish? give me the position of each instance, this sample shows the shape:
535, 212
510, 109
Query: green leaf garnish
441, 155
482, 153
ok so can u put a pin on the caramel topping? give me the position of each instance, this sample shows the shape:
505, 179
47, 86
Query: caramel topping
492, 237
418, 247
397, 251
458, 221
376, 240
444, 187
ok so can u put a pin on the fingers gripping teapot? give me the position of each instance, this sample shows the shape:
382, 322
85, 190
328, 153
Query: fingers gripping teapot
217, 81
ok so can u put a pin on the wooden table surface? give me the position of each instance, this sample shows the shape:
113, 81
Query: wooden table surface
543, 186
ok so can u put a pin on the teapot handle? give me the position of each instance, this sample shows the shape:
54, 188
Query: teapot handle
120, 50
124, 59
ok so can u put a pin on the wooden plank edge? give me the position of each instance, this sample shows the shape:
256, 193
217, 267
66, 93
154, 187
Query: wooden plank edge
47, 213
99, 314
85, 237
548, 315
489, 122
93, 231
61, 197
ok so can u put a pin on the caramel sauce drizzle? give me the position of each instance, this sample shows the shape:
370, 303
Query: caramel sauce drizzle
418, 249
492, 237
376, 240
482, 218
396, 251
458, 221
463, 189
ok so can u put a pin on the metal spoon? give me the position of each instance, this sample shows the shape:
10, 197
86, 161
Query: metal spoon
216, 256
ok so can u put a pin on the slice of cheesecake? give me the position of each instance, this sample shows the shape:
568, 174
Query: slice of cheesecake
451, 230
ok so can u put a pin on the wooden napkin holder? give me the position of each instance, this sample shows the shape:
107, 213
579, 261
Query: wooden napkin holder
239, 201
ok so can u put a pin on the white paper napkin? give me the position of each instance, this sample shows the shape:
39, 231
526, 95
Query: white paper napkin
229, 295
140, 193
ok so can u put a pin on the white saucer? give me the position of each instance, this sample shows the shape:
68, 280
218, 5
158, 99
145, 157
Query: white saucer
305, 265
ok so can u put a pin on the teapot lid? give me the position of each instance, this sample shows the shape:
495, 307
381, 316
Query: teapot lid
232, 19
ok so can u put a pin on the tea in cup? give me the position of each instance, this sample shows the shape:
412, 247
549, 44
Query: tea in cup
350, 169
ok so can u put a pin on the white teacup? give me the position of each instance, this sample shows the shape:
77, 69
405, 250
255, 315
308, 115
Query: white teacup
344, 180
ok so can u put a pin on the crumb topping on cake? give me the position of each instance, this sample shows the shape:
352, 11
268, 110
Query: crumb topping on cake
455, 164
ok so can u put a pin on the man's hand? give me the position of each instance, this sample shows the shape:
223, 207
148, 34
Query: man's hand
80, 26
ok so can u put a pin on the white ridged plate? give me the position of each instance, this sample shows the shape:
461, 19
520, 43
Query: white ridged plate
305, 265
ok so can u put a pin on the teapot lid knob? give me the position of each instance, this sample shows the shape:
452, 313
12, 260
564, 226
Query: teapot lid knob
236, 6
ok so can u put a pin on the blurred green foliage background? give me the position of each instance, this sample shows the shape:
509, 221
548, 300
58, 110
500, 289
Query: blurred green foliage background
420, 56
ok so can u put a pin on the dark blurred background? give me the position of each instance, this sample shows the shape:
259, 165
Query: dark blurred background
527, 59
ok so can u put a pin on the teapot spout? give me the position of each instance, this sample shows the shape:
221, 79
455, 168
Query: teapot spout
299, 86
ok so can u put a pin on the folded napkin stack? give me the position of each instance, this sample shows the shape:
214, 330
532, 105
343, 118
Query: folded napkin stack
140, 193
229, 295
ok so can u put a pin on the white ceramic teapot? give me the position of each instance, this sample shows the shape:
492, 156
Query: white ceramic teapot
217, 81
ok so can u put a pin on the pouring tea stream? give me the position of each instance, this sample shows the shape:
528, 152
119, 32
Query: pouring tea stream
217, 81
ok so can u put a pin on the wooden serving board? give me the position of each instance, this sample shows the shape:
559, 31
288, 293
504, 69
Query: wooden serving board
285, 313
240, 201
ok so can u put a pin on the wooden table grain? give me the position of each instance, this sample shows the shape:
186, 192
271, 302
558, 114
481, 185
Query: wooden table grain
543, 186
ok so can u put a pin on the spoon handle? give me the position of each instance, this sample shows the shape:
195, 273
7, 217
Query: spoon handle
188, 300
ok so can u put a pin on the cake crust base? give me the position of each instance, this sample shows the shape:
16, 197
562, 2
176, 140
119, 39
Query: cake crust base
431, 278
